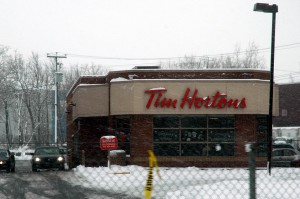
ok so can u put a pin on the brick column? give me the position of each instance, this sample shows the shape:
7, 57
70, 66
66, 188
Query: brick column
141, 138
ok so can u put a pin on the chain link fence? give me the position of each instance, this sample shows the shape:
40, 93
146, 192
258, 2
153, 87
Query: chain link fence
193, 182
120, 180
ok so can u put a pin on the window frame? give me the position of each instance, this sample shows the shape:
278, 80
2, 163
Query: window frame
204, 142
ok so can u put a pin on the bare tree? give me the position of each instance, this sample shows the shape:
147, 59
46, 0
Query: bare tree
248, 59
6, 94
34, 85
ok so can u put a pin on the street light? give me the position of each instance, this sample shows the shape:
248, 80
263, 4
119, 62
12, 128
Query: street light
262, 7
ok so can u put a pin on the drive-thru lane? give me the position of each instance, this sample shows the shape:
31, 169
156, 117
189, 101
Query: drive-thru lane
25, 184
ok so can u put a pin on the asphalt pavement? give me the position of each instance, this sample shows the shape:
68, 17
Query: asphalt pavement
46, 184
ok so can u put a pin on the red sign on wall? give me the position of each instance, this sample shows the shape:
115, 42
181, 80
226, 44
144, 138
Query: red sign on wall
108, 143
191, 99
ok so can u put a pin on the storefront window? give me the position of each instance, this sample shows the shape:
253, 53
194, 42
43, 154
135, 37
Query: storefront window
166, 149
166, 122
193, 150
194, 135
220, 122
262, 136
221, 135
122, 132
166, 135
194, 122
221, 149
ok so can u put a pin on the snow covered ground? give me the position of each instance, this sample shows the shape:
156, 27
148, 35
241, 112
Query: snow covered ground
186, 183
191, 182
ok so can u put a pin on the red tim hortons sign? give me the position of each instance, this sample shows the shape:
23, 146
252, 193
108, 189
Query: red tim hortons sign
108, 142
191, 99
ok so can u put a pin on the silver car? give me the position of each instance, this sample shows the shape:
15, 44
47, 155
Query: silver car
285, 157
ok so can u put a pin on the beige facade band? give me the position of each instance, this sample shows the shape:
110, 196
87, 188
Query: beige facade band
185, 97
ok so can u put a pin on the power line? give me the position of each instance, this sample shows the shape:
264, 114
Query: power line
281, 47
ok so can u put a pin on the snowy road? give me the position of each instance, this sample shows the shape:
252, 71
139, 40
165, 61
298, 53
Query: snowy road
24, 184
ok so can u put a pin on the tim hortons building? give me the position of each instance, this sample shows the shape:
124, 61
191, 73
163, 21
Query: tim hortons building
198, 118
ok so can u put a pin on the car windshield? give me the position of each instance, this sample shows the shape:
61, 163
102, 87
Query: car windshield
46, 151
3, 154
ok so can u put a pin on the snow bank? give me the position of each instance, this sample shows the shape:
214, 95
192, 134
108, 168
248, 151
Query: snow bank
191, 182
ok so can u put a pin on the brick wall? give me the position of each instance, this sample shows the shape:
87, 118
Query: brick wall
142, 140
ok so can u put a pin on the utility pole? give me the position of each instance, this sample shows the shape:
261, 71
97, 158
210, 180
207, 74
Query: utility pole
58, 77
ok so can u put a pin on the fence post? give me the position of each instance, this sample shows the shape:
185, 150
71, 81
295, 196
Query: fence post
83, 157
109, 160
70, 158
251, 164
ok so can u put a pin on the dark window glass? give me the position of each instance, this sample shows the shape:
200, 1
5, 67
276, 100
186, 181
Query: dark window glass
221, 149
277, 153
122, 132
220, 122
194, 122
193, 135
123, 135
166, 135
166, 122
221, 135
262, 136
124, 146
166, 149
262, 149
287, 152
262, 122
123, 122
193, 150
47, 151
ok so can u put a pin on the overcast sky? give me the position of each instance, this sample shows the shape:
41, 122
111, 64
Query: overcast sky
150, 29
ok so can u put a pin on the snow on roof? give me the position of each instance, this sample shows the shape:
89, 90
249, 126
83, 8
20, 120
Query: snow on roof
160, 88
89, 85
287, 127
92, 75
109, 137
119, 79
201, 70
289, 83
246, 80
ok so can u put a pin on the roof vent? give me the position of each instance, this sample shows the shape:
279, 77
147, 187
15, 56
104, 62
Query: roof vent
146, 67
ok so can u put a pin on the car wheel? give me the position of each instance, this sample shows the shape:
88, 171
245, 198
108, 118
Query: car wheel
62, 168
8, 170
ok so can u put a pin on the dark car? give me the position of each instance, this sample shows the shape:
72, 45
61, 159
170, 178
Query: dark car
285, 157
47, 158
7, 160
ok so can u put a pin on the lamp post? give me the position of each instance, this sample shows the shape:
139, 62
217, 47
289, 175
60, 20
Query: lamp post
262, 7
